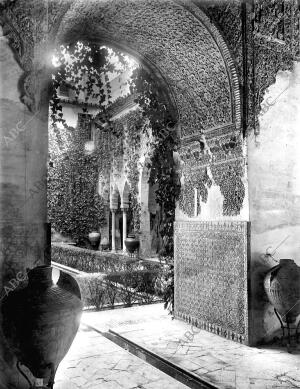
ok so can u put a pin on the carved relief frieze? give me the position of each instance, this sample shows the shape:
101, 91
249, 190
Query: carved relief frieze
194, 179
222, 153
228, 176
227, 17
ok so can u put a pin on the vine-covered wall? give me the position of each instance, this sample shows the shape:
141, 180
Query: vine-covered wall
74, 206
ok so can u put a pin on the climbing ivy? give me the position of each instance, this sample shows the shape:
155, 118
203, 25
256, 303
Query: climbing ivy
150, 98
74, 206
85, 68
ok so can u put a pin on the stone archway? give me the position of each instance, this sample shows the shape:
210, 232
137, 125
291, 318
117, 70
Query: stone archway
186, 52
174, 38
189, 53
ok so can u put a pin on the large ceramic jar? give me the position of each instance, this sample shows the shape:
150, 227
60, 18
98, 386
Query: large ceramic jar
94, 238
40, 321
132, 243
282, 286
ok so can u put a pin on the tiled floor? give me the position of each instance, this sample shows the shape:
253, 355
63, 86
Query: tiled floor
222, 362
94, 362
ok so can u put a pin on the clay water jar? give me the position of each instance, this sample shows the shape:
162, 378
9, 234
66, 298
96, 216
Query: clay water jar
41, 320
282, 286
131, 243
94, 238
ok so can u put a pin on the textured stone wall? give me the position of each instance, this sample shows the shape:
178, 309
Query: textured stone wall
211, 277
23, 163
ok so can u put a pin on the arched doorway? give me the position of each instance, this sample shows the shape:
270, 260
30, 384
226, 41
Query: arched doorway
175, 39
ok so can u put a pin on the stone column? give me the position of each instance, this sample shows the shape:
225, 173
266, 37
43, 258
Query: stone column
113, 230
145, 235
124, 210
195, 202
105, 227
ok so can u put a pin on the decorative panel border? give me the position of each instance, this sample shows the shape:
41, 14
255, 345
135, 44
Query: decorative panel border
211, 277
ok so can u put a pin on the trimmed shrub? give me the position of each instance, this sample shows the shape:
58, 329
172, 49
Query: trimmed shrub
90, 261
93, 289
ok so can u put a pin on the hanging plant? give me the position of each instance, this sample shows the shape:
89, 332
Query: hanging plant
163, 172
84, 68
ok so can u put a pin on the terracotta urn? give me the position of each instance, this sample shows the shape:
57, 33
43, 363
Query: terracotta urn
41, 320
131, 243
94, 238
282, 286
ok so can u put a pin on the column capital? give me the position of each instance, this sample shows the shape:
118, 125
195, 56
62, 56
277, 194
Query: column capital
124, 209
113, 210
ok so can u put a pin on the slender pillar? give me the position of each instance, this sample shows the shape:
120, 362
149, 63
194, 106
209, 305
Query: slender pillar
195, 202
124, 227
113, 230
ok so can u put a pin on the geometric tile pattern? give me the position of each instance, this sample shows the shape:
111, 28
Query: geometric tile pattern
211, 277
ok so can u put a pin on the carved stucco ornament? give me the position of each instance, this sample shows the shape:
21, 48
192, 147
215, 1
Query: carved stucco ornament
175, 38
178, 42
30, 26
202, 79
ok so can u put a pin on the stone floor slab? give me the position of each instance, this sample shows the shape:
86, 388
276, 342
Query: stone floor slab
220, 361
94, 362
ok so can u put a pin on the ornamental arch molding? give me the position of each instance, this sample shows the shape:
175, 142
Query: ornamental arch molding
180, 45
174, 38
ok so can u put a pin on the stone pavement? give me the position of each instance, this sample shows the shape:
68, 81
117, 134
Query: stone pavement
220, 361
94, 362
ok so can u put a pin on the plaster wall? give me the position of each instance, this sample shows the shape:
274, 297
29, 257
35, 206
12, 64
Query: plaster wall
274, 190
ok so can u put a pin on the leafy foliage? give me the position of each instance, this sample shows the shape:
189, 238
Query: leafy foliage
85, 68
150, 98
75, 208
155, 109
